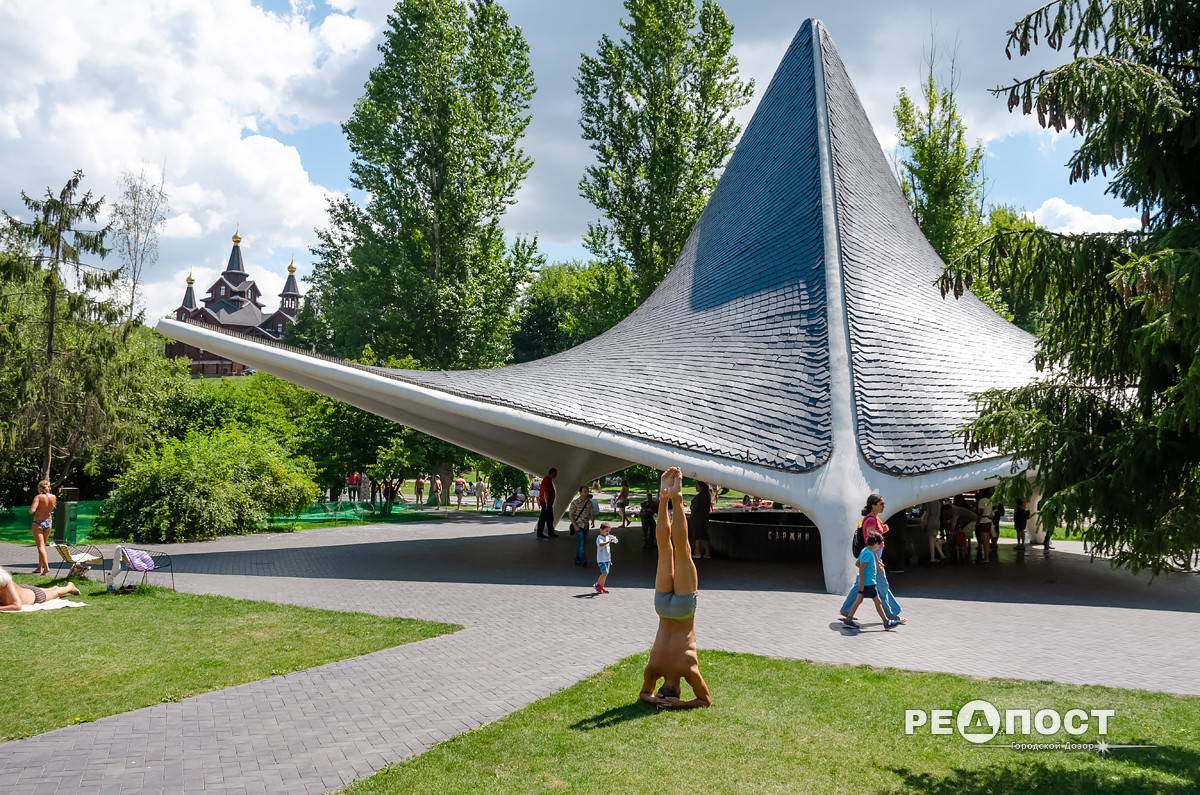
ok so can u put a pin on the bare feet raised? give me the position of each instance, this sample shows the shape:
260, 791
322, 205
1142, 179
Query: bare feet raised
671, 482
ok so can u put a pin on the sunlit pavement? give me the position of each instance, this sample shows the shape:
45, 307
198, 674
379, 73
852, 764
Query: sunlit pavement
534, 625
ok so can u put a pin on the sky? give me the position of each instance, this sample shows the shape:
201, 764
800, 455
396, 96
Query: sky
237, 105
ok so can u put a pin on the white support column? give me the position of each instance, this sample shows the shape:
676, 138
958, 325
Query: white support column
1034, 529
835, 521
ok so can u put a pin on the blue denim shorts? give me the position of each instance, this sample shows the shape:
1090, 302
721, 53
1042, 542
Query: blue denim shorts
675, 605
604, 565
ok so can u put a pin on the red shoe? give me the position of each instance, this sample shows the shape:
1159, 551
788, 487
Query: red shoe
596, 585
603, 590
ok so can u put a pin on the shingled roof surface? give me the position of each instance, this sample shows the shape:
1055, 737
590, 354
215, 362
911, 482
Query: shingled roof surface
729, 357
916, 357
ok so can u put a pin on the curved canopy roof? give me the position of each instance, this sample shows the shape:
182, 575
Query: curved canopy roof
730, 358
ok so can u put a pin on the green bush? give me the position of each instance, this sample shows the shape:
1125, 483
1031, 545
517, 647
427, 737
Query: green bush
213, 483
505, 480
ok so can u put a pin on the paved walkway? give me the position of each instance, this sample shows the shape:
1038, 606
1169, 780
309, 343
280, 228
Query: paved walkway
533, 626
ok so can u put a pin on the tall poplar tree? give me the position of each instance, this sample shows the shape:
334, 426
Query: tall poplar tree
422, 268
657, 107
940, 173
1111, 433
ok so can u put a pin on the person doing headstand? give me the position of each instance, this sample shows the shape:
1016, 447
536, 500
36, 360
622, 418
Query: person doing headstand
673, 656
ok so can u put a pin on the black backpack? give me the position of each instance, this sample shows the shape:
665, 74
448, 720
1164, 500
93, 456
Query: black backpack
859, 544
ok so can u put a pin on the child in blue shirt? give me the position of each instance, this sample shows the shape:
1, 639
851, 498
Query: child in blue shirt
867, 566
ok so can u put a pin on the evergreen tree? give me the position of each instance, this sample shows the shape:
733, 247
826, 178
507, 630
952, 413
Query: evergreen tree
61, 332
1111, 434
422, 268
657, 108
1007, 295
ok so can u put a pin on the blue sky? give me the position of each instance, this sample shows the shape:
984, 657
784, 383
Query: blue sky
240, 104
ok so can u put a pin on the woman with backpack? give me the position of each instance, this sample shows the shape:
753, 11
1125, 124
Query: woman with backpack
871, 521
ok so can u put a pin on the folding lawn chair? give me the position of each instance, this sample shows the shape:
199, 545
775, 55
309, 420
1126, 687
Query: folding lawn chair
79, 555
145, 561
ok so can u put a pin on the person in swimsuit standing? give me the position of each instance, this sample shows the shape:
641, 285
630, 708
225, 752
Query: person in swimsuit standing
673, 656
42, 509
14, 596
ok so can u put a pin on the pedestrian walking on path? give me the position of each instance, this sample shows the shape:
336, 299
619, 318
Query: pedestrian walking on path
621, 503
545, 498
872, 522
673, 656
869, 566
42, 509
581, 521
460, 486
701, 508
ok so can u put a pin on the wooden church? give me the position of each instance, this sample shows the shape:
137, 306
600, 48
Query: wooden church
232, 302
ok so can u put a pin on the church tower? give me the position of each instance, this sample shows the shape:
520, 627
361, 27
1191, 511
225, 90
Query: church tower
233, 302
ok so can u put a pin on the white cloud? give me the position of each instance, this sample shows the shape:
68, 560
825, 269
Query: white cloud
345, 34
106, 87
182, 227
1058, 216
213, 91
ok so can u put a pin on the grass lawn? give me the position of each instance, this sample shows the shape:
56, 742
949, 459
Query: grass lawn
127, 651
1009, 530
782, 726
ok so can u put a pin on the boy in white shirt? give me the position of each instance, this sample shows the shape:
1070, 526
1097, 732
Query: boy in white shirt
604, 555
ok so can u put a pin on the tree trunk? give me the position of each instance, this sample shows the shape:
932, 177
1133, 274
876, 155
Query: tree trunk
51, 309
447, 476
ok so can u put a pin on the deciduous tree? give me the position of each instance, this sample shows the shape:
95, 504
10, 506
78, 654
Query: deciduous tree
570, 303
137, 218
657, 107
422, 268
940, 173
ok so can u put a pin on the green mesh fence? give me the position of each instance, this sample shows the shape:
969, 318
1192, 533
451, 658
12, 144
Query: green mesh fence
335, 511
15, 522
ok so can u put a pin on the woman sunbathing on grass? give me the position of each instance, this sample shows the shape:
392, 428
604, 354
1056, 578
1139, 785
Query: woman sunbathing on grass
12, 595
673, 656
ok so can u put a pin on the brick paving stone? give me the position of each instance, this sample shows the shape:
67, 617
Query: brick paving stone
1043, 617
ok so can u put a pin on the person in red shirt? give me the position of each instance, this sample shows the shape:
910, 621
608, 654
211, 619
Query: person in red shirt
545, 522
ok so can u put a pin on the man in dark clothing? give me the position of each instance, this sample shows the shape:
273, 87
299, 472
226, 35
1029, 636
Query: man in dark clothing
545, 522
647, 515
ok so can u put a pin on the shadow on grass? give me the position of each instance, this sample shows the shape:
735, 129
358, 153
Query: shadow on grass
1125, 778
612, 717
